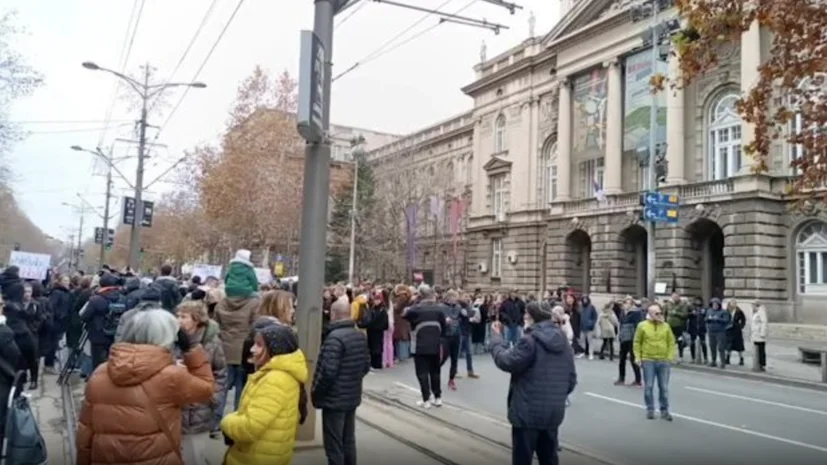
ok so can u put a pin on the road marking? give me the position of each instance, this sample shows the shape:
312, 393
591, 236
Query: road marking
758, 401
489, 419
718, 425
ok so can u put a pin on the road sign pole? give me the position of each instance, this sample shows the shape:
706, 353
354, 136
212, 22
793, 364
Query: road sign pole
651, 256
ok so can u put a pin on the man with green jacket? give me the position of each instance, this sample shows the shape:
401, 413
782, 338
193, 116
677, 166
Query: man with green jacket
677, 312
655, 350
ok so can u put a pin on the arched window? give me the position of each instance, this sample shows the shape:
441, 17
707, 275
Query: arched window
499, 134
724, 138
813, 89
811, 259
549, 169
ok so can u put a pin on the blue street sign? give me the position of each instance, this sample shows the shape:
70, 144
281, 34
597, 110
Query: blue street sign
660, 208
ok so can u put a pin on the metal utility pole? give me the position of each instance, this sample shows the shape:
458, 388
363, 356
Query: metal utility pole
147, 92
105, 240
351, 264
135, 232
651, 256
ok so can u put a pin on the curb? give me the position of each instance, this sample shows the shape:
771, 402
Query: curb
567, 447
779, 380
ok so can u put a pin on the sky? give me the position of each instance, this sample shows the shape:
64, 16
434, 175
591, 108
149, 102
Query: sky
414, 84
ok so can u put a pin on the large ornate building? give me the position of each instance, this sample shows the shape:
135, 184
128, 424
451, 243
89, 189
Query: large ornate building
559, 125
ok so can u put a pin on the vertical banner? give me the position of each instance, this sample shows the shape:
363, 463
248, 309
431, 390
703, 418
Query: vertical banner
410, 217
637, 102
588, 125
456, 212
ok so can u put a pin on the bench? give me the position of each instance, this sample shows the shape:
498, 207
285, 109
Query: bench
815, 356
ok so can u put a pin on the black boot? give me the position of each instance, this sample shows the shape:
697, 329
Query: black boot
33, 385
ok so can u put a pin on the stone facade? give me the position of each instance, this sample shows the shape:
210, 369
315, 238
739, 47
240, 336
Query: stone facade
545, 212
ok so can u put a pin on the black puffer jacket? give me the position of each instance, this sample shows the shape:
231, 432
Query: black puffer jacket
60, 303
343, 362
542, 375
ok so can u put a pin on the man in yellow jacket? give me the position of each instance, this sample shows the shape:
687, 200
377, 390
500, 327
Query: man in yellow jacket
655, 349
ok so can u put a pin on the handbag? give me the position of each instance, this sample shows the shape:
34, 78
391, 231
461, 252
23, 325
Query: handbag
156, 415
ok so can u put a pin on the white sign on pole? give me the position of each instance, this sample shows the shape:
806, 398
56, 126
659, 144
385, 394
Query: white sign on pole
205, 270
32, 265
264, 276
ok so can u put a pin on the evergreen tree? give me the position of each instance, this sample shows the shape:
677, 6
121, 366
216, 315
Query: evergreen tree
342, 208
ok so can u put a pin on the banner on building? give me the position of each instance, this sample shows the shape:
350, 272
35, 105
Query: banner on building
410, 219
588, 121
637, 102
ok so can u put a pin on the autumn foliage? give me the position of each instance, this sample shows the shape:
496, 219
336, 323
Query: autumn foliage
788, 102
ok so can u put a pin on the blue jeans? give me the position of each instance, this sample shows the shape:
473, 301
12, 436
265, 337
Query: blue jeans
465, 345
651, 371
236, 378
513, 334
403, 350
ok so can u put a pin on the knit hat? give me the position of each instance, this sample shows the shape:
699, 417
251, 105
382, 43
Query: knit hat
243, 254
537, 312
279, 339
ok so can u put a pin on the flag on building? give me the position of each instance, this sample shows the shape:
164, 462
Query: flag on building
456, 211
599, 193
410, 221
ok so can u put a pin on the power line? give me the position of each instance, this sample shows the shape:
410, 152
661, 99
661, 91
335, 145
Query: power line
352, 12
76, 130
79, 122
391, 44
200, 68
188, 48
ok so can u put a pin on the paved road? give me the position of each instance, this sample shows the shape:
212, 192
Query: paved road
716, 418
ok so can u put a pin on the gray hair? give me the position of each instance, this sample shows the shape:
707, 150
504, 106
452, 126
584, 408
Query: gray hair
425, 291
154, 326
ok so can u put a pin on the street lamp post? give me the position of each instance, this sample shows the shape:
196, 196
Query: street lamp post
105, 217
146, 91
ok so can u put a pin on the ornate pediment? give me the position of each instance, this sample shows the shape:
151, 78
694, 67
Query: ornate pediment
497, 165
583, 13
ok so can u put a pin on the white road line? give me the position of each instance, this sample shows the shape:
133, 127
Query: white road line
758, 401
481, 416
718, 425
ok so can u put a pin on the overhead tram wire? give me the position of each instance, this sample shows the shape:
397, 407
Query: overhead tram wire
192, 41
200, 69
350, 15
392, 45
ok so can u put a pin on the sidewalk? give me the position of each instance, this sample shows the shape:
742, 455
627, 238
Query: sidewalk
784, 365
47, 407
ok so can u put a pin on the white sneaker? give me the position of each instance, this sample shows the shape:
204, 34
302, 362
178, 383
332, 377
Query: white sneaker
591, 356
423, 403
437, 402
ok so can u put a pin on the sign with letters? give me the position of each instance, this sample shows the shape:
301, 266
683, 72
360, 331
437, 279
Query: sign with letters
310, 122
32, 265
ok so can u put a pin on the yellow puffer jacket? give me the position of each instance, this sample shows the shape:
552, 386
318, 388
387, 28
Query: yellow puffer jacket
356, 308
264, 427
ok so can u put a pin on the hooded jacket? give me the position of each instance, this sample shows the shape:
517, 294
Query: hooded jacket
717, 320
263, 429
116, 426
235, 317
543, 374
588, 315
198, 417
98, 307
132, 289
241, 280
11, 286
170, 294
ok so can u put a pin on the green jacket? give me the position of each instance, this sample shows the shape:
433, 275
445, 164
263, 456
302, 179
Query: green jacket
654, 342
241, 280
676, 314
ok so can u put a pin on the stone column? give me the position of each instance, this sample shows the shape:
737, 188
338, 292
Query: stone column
750, 61
612, 179
675, 127
564, 141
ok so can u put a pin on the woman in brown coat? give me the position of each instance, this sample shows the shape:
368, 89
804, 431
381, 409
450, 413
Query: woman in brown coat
132, 409
402, 296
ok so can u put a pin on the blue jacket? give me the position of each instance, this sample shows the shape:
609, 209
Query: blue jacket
542, 371
696, 321
717, 321
628, 324
588, 316
454, 312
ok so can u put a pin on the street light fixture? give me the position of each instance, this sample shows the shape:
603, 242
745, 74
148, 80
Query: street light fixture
147, 91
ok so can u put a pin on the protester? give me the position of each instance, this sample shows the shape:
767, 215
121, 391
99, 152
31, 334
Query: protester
428, 323
36, 310
655, 348
344, 360
262, 431
132, 407
10, 358
241, 280
543, 374
235, 316
717, 322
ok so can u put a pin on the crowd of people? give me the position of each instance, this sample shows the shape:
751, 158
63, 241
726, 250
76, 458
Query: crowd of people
161, 354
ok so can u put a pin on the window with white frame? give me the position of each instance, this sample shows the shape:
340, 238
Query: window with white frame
499, 134
811, 259
499, 191
724, 138
813, 89
550, 178
496, 257
594, 171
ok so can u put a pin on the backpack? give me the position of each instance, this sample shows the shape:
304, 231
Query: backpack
24, 444
113, 316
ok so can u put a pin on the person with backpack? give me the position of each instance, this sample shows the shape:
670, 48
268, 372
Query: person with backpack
169, 289
101, 315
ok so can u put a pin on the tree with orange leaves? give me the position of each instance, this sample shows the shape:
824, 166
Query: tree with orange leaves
789, 100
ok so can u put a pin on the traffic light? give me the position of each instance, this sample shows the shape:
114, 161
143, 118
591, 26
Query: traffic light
110, 238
